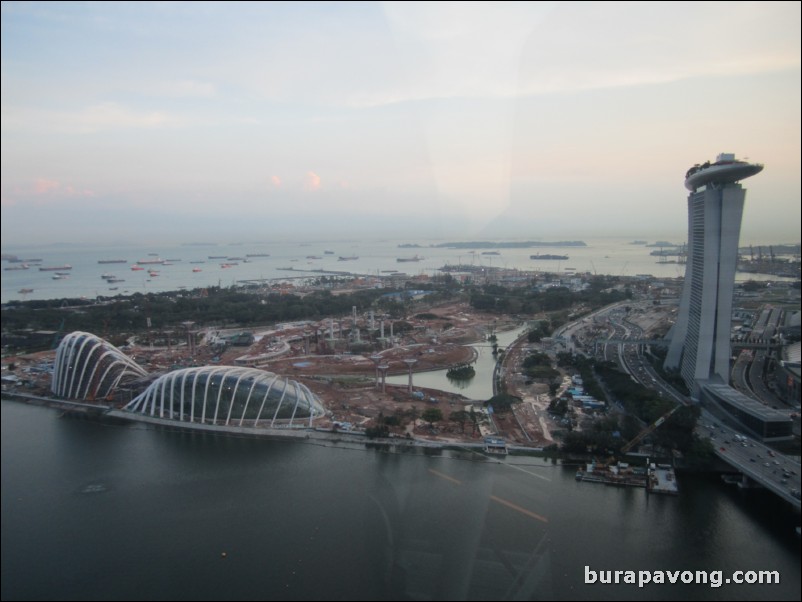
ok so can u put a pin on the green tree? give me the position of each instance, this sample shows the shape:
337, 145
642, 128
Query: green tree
474, 420
460, 417
502, 402
401, 326
432, 415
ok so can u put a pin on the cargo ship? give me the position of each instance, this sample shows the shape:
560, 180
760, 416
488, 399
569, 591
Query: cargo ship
546, 256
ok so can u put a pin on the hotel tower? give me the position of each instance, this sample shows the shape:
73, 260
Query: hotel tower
700, 339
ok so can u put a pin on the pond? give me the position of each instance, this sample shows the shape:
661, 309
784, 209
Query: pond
478, 387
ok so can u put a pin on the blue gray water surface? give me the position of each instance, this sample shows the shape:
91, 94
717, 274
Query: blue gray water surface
97, 511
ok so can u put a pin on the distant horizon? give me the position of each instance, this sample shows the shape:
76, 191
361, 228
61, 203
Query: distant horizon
400, 238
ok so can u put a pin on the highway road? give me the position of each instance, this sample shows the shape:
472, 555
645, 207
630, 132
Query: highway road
752, 458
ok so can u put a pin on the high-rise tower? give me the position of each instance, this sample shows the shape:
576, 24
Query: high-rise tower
700, 339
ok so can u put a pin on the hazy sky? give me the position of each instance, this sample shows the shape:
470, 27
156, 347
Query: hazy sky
265, 121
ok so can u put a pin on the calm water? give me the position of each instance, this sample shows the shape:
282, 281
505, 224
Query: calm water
603, 256
478, 387
92, 511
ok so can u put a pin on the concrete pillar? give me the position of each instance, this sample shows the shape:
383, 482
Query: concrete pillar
376, 359
384, 368
409, 364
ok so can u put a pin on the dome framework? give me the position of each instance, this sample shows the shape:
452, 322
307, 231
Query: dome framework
89, 368
227, 396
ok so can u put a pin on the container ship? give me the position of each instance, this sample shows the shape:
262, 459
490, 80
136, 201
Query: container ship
554, 257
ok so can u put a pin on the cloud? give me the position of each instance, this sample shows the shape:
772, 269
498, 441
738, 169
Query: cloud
45, 190
44, 186
312, 181
103, 116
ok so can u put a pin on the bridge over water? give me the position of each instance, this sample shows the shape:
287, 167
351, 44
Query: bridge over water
758, 463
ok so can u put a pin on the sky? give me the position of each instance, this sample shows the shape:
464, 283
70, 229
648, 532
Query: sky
183, 122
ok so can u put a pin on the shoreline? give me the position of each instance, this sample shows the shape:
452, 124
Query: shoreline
310, 435
299, 434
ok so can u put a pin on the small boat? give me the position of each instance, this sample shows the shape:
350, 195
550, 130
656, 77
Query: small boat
25, 291
196, 270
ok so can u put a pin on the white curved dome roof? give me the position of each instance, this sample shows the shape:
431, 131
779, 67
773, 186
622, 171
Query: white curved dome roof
228, 396
88, 367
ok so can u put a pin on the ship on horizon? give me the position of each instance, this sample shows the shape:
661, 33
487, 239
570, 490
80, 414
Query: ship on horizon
158, 260
550, 257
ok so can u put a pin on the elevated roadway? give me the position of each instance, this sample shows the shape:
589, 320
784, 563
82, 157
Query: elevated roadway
759, 464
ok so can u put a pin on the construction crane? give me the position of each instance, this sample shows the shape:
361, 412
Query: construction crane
649, 429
